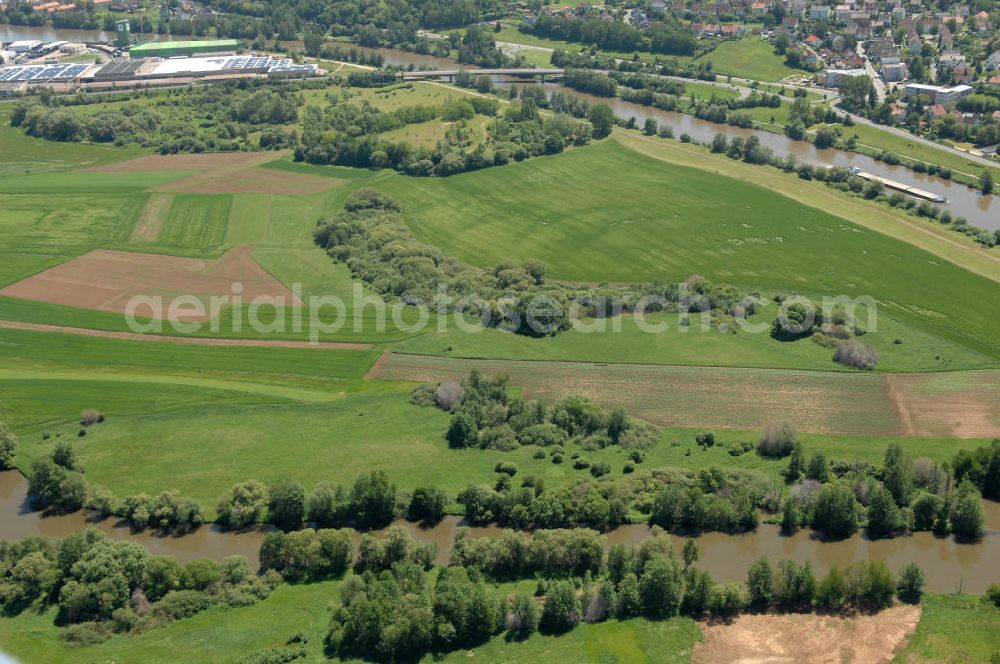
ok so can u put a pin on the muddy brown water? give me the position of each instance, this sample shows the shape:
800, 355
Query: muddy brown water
949, 566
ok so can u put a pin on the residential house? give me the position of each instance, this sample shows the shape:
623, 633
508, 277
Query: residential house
982, 21
842, 13
898, 14
945, 41
658, 7
812, 41
638, 18
882, 47
893, 70
913, 42
733, 31
819, 13
993, 62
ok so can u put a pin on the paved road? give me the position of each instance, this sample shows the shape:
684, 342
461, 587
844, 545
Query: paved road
870, 69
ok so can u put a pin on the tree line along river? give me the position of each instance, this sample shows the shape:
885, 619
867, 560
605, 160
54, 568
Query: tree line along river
949, 566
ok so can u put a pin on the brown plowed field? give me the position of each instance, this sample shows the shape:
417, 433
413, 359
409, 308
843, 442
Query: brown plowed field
107, 280
958, 404
808, 638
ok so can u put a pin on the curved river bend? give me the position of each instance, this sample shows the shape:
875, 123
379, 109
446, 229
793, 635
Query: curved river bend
948, 565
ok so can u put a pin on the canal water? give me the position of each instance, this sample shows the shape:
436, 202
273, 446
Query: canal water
949, 566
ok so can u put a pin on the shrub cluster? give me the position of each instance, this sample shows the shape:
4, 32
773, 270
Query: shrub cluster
102, 586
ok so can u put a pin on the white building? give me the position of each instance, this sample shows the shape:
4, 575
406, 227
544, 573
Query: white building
25, 46
831, 78
938, 94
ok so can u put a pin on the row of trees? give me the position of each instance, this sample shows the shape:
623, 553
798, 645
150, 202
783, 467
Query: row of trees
614, 35
398, 614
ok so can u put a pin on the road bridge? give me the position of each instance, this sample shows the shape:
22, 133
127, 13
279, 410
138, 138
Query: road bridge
450, 74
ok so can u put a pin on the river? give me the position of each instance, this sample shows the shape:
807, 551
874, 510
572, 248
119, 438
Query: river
947, 564
980, 211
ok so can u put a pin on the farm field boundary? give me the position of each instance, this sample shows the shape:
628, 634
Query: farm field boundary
740, 398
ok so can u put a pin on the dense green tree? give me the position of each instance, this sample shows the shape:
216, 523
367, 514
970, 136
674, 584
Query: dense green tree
898, 474
760, 583
562, 610
373, 500
660, 587
286, 507
819, 468
523, 617
884, 516
967, 516
629, 596
836, 511
8, 445
910, 583
427, 504
796, 464
602, 118
243, 505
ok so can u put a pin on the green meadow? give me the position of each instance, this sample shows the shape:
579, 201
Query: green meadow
644, 220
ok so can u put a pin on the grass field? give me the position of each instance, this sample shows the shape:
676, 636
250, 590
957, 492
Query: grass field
736, 239
749, 58
954, 629
196, 225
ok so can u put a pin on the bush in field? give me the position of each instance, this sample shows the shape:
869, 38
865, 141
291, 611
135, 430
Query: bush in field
449, 395
367, 198
853, 353
91, 417
777, 440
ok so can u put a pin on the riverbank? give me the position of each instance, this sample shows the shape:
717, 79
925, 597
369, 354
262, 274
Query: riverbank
949, 565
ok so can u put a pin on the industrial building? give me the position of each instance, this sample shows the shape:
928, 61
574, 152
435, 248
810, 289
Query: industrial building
155, 71
173, 49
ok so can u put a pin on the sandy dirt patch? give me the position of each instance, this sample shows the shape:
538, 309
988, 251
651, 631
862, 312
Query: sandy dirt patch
107, 280
154, 215
188, 341
961, 404
808, 638
254, 180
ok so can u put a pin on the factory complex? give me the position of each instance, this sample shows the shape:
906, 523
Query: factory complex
137, 70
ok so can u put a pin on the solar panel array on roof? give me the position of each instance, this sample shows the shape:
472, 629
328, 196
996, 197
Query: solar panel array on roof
41, 73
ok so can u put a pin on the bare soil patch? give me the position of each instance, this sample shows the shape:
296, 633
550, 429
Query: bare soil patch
962, 405
188, 341
808, 638
107, 280
254, 180
148, 228
814, 401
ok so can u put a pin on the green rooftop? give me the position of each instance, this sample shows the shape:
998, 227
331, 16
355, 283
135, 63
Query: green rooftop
171, 48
